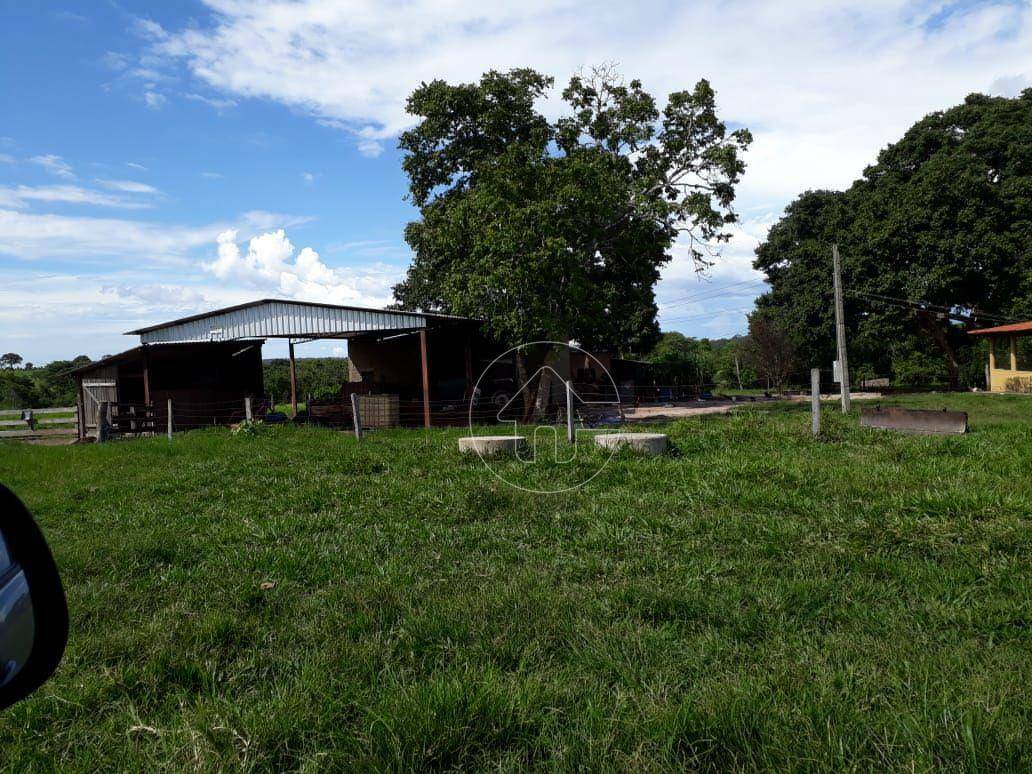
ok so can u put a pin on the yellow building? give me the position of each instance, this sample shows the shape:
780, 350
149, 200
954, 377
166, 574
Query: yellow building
1010, 357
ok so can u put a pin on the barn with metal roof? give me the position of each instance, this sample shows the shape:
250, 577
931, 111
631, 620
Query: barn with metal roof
208, 358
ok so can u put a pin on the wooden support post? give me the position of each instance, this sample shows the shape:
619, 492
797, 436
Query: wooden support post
84, 430
293, 379
80, 416
146, 377
169, 419
840, 330
815, 401
469, 369
570, 436
992, 364
247, 408
426, 377
356, 416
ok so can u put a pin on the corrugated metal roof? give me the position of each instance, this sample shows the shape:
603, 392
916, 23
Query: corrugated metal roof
1021, 327
271, 318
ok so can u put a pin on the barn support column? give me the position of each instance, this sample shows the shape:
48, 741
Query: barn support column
80, 410
293, 379
469, 368
146, 377
426, 377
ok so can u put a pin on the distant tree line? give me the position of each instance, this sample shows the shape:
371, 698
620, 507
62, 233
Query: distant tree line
765, 358
24, 385
320, 377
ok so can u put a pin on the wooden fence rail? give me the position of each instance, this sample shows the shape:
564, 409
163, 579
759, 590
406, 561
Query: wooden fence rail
27, 429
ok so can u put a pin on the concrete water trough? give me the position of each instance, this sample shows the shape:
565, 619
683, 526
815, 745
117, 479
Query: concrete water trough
646, 443
490, 445
919, 421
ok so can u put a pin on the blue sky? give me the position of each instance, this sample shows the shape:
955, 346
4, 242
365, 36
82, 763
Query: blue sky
157, 159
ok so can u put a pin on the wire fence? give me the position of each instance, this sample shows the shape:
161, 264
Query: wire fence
591, 404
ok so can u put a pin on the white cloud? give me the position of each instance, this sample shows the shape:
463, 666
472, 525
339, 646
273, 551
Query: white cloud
148, 28
269, 265
212, 175
154, 100
824, 85
115, 241
370, 148
55, 165
308, 177
213, 102
57, 315
128, 186
6, 158
1011, 85
134, 165
18, 196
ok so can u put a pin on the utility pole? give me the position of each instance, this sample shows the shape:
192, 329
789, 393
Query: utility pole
840, 330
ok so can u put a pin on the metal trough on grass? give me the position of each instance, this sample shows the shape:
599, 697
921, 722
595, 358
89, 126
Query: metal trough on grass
915, 420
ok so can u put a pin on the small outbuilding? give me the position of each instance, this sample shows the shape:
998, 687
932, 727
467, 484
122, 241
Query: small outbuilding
1010, 357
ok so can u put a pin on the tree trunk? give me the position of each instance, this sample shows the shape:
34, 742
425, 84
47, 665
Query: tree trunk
940, 336
544, 394
521, 378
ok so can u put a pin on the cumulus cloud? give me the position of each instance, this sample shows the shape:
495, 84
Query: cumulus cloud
270, 265
154, 100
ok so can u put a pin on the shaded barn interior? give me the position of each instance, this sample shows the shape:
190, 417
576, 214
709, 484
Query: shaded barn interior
206, 381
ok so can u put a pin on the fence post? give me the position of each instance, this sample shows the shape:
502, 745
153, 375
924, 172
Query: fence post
570, 437
247, 407
170, 419
815, 401
355, 414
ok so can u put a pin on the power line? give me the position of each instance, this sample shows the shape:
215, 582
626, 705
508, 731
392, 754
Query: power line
703, 316
711, 293
922, 305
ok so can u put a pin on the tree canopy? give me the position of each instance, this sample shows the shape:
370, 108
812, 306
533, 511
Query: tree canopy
935, 237
558, 229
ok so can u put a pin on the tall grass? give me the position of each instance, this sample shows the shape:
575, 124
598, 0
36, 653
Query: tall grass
754, 600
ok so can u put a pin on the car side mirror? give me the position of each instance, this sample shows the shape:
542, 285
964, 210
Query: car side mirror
33, 612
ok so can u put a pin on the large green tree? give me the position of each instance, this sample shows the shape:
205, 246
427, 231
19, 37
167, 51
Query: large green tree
558, 229
935, 237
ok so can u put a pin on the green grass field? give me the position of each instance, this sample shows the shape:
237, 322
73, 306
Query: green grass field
754, 600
